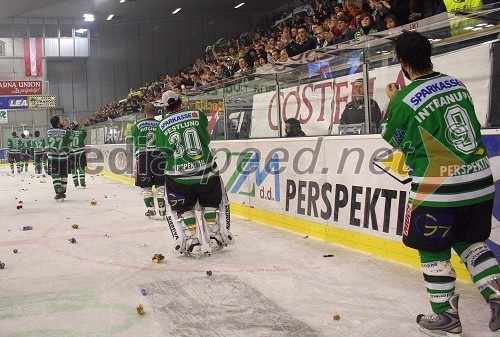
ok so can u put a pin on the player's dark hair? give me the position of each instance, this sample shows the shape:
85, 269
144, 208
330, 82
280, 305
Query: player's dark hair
14, 133
414, 50
173, 103
54, 121
37, 133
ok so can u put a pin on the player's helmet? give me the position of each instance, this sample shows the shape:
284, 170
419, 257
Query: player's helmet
171, 99
54, 121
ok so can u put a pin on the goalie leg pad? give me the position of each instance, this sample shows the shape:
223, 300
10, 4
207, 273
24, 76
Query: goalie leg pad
215, 221
225, 218
182, 225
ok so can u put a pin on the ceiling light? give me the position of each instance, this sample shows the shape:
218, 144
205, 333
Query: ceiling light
88, 17
238, 6
110, 17
176, 11
122, 1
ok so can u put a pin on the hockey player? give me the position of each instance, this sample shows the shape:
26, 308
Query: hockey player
78, 153
59, 141
38, 145
192, 177
433, 122
150, 162
25, 152
14, 146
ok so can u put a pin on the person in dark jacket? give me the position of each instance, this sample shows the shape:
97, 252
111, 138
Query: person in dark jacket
293, 129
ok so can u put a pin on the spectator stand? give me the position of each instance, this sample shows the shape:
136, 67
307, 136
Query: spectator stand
315, 86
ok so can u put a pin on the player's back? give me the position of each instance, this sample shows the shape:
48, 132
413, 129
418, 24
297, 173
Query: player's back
38, 144
184, 138
144, 134
442, 142
14, 144
59, 140
78, 138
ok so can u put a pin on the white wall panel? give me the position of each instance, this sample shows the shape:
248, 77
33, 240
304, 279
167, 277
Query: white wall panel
81, 47
67, 47
51, 47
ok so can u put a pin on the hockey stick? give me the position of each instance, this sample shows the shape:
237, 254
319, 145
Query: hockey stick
377, 160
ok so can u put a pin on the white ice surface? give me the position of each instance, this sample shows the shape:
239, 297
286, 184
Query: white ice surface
272, 282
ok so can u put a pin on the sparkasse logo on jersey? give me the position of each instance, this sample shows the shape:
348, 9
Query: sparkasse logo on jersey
249, 167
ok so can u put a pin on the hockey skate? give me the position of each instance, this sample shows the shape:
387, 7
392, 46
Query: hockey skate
494, 301
162, 212
150, 214
61, 195
443, 324
193, 248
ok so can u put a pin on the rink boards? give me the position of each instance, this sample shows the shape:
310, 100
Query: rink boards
326, 187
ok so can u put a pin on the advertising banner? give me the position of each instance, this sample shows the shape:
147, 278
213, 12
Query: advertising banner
3, 117
11, 88
13, 102
42, 102
331, 181
319, 106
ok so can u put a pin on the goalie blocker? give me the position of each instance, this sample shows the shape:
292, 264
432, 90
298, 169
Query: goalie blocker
182, 221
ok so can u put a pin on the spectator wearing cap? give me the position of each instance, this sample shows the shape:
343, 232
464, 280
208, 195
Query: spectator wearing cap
303, 44
343, 25
293, 128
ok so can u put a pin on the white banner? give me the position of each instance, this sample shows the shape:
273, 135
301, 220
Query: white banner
330, 181
319, 105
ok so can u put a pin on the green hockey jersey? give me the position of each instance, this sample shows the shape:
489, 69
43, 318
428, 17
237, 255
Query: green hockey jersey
78, 138
38, 144
59, 142
78, 141
26, 144
183, 138
144, 134
14, 145
433, 122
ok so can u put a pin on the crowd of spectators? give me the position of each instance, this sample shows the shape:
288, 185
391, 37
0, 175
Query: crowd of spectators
321, 23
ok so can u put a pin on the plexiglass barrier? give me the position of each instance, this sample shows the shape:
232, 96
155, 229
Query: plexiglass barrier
340, 90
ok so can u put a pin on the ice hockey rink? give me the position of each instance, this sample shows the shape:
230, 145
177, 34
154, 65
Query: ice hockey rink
272, 282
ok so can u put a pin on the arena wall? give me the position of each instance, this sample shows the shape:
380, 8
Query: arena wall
323, 187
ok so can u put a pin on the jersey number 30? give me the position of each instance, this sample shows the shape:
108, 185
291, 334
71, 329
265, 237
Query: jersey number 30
188, 142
